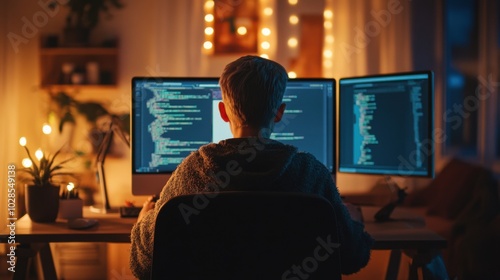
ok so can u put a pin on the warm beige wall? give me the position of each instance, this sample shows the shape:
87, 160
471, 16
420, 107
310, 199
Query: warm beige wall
3, 107
21, 103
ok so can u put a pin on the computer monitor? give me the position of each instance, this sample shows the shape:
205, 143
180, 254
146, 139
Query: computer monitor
386, 124
171, 117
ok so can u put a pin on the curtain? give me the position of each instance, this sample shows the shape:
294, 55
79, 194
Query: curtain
371, 37
179, 35
3, 142
9, 100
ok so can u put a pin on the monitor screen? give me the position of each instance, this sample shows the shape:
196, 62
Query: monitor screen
386, 124
171, 117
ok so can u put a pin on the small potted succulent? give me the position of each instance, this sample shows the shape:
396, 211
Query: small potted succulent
42, 193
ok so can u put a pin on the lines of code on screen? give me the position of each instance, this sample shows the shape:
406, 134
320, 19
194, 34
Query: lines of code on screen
384, 126
175, 120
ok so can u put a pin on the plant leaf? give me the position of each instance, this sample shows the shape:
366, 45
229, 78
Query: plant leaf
34, 168
67, 118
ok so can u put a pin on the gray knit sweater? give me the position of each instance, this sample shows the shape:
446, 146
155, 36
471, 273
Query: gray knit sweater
265, 165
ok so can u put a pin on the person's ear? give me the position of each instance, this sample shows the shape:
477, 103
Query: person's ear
280, 112
222, 111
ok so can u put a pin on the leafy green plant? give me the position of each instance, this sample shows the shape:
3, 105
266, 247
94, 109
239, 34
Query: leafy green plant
67, 107
42, 173
86, 13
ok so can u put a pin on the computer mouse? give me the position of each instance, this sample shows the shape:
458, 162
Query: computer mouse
81, 223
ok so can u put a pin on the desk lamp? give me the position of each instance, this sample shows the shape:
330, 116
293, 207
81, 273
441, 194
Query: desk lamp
103, 149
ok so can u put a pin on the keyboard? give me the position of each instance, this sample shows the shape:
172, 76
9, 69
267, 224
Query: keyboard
130, 211
133, 211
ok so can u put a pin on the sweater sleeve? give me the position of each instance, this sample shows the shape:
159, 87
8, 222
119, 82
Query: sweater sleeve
355, 241
184, 180
141, 250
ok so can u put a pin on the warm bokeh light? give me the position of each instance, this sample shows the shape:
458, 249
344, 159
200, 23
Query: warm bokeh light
293, 19
46, 129
265, 45
328, 53
209, 31
23, 141
207, 45
242, 30
209, 17
264, 38
70, 186
293, 42
329, 39
328, 14
209, 9
264, 56
209, 5
26, 162
293, 2
39, 154
292, 75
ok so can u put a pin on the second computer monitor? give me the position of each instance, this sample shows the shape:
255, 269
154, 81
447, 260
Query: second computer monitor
386, 124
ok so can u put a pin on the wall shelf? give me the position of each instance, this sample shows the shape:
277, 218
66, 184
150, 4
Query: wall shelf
82, 67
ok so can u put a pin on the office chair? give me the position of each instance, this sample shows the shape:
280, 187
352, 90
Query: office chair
246, 235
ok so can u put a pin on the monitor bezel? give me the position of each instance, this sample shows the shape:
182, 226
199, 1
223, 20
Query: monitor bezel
430, 127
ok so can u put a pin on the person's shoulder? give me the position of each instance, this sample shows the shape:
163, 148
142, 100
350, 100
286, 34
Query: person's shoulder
310, 160
196, 155
306, 156
207, 147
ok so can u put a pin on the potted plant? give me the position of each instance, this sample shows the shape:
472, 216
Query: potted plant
83, 16
42, 193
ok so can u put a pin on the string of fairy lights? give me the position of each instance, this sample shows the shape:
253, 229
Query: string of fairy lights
329, 39
293, 41
266, 40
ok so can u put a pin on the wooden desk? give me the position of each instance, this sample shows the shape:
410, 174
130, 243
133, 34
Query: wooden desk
33, 238
406, 232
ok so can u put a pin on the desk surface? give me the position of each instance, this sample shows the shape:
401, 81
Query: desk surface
110, 228
406, 231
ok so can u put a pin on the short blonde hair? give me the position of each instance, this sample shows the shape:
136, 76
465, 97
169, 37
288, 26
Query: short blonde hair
253, 88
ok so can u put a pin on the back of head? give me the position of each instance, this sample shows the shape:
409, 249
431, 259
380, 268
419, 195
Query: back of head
253, 88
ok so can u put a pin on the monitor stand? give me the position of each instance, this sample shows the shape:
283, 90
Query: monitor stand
384, 214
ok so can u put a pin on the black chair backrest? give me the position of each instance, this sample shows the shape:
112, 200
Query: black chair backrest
246, 235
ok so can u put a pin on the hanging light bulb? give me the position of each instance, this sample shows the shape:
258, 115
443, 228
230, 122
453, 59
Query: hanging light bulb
46, 129
39, 154
26, 162
22, 141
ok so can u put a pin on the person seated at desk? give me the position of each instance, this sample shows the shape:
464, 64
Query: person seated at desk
252, 92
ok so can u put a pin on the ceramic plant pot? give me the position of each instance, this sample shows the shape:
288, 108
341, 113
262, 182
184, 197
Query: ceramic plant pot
42, 203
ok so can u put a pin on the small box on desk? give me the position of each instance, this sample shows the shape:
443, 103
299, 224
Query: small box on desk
70, 208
